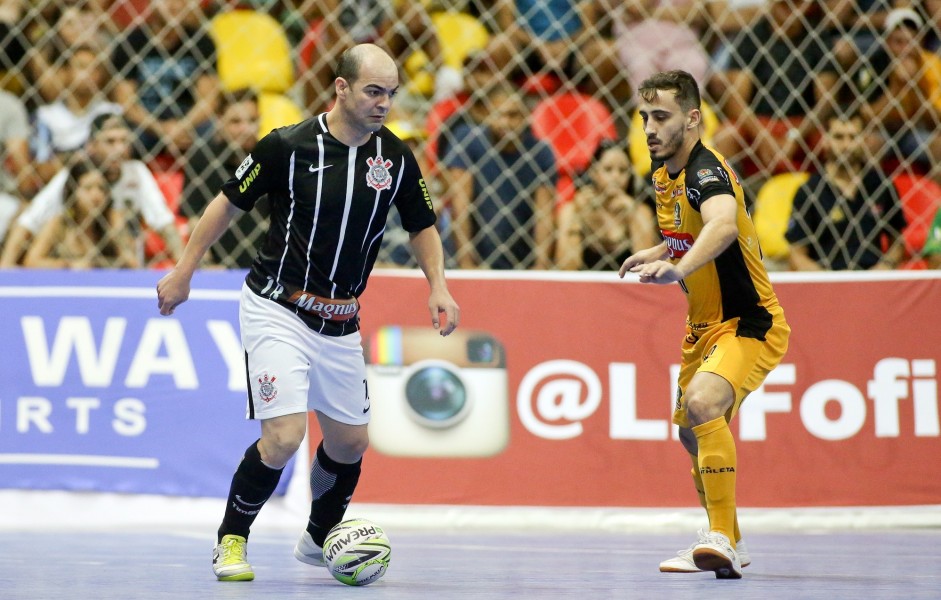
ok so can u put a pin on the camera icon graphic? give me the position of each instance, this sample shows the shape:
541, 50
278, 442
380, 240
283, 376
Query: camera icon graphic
437, 397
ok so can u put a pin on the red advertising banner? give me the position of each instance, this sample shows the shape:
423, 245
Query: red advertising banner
558, 390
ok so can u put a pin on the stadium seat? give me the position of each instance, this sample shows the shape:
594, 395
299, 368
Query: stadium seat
276, 110
252, 51
921, 199
574, 124
459, 35
637, 139
773, 211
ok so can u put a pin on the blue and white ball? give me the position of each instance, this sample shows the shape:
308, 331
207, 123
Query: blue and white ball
357, 552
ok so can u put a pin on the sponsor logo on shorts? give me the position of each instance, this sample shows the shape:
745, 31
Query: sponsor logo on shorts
332, 309
266, 388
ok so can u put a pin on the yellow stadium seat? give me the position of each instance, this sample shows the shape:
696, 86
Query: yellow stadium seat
459, 35
637, 140
252, 50
772, 212
276, 110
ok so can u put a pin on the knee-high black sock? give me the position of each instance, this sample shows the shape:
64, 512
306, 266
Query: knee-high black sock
252, 485
331, 485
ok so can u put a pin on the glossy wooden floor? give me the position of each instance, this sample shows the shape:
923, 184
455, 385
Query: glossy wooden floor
109, 565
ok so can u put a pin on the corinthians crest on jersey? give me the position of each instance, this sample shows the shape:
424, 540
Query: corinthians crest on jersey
378, 176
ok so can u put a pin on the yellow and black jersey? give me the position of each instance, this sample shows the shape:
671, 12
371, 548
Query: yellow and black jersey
735, 284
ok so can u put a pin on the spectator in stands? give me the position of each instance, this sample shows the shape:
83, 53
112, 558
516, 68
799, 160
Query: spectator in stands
400, 27
395, 250
660, 35
778, 96
53, 31
842, 215
502, 189
481, 76
855, 30
89, 232
234, 139
726, 20
15, 45
932, 249
17, 175
604, 223
133, 190
904, 94
165, 73
560, 38
63, 126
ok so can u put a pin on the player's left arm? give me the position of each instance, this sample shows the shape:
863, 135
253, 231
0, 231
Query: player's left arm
720, 229
426, 246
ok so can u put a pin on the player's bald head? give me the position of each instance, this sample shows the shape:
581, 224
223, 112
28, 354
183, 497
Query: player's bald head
363, 56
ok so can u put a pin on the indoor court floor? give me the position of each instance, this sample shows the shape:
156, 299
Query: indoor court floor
151, 564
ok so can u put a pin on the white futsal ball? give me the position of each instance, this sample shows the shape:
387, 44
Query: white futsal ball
357, 552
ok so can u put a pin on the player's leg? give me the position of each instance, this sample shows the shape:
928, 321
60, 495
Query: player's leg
340, 398
708, 398
333, 479
278, 383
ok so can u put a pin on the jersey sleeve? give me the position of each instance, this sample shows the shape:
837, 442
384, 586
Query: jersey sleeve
258, 174
414, 202
707, 177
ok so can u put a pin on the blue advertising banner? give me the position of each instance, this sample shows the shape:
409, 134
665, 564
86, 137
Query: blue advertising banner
102, 393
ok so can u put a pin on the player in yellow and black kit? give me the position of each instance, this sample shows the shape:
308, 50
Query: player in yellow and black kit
736, 332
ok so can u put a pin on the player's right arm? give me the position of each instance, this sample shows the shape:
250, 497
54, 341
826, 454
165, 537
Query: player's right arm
174, 288
658, 252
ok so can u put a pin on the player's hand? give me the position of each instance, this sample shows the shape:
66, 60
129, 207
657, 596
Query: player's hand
660, 271
639, 259
440, 302
173, 289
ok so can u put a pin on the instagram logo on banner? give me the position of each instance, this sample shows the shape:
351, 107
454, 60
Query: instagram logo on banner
435, 396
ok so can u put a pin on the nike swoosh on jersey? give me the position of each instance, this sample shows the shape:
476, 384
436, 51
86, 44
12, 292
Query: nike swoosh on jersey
313, 169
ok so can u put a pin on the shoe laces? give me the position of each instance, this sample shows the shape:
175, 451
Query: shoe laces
714, 537
233, 549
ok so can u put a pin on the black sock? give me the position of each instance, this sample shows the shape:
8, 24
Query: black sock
252, 485
331, 485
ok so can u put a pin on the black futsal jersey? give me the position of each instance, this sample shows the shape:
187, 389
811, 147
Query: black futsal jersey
328, 204
736, 283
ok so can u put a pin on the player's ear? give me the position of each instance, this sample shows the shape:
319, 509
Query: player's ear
693, 118
342, 86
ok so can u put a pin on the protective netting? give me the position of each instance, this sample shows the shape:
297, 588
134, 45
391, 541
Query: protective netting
773, 75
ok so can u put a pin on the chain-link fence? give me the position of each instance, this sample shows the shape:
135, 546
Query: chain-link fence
506, 104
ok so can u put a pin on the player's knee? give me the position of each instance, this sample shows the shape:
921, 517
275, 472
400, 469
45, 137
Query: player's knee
701, 407
347, 450
280, 441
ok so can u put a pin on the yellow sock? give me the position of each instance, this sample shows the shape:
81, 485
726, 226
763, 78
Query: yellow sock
697, 481
717, 464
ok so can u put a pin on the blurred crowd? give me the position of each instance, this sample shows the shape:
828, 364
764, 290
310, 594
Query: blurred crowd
120, 119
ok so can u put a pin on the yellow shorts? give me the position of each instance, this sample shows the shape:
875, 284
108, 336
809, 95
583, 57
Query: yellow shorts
743, 362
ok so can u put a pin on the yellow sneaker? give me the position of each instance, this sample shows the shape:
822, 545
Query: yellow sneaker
230, 559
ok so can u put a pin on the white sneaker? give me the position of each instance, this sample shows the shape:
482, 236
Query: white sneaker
230, 560
307, 551
683, 561
715, 553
